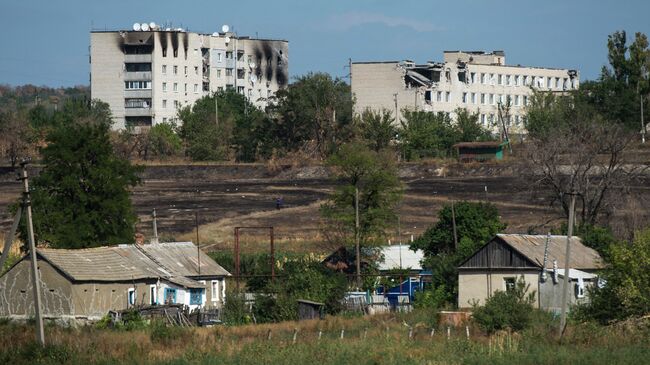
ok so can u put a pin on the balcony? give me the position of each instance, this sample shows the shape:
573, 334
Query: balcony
137, 93
137, 76
137, 112
137, 58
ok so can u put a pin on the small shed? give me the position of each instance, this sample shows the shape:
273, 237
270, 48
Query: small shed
310, 310
479, 151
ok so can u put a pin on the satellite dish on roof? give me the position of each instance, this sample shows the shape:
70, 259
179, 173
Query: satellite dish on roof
144, 27
225, 28
136, 26
215, 34
227, 39
152, 26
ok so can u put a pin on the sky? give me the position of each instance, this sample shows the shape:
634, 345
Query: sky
45, 42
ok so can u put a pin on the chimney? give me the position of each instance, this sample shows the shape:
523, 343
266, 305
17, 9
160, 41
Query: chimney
139, 239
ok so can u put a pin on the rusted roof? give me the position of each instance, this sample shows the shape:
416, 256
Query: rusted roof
168, 261
491, 144
532, 246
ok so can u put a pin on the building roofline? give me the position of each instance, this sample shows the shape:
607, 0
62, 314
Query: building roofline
373, 62
243, 37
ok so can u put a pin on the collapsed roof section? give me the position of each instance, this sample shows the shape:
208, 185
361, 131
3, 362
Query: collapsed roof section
421, 75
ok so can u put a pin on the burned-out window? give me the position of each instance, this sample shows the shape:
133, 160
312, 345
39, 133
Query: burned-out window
427, 96
448, 75
461, 76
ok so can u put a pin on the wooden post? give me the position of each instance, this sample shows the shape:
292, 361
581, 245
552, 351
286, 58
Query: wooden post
342, 333
448, 332
272, 255
453, 223
38, 309
356, 234
320, 333
268, 335
295, 335
565, 291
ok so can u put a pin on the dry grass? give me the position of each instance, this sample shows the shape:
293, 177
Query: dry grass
380, 339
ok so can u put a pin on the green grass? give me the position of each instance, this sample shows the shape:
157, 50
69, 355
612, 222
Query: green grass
381, 339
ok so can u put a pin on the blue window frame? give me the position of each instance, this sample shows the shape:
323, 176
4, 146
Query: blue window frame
196, 296
170, 296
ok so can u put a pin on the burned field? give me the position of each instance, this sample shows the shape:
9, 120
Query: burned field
225, 196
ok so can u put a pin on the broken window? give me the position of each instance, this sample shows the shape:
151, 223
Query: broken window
427, 97
461, 76
464, 97
509, 284
472, 77
448, 96
448, 75
439, 96
500, 79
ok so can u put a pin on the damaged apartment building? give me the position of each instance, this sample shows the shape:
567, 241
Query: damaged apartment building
478, 81
148, 73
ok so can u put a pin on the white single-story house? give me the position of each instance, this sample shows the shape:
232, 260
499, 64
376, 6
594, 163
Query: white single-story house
537, 259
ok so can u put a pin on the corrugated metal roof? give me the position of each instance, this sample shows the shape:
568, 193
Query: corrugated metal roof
532, 246
409, 258
168, 261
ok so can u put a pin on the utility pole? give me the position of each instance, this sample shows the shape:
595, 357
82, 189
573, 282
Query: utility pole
216, 110
642, 121
356, 234
396, 111
565, 290
198, 244
155, 227
453, 223
27, 206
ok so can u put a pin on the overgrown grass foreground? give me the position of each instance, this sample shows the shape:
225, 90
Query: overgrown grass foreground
381, 339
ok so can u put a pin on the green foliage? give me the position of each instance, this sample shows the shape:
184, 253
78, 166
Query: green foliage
627, 277
315, 108
241, 129
506, 309
81, 197
476, 224
377, 129
434, 298
468, 128
425, 134
301, 280
375, 176
235, 311
164, 142
161, 333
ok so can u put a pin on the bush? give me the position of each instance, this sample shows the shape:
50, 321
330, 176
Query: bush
506, 309
161, 333
234, 311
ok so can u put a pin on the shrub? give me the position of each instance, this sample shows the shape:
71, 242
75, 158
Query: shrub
506, 309
161, 333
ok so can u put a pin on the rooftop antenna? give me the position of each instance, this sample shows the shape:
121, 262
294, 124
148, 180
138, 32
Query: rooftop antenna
155, 227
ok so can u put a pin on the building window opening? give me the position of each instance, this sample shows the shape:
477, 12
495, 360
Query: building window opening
509, 284
131, 296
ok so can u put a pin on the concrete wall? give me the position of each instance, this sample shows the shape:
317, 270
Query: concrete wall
551, 294
107, 73
16, 292
479, 285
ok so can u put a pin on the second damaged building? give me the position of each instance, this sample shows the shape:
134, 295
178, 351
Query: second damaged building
478, 81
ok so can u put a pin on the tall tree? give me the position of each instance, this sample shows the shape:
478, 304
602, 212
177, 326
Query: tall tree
375, 175
81, 197
476, 224
315, 109
377, 129
573, 149
425, 134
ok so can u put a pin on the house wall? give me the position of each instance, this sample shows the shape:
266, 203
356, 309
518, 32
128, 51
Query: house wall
94, 300
16, 292
480, 284
550, 294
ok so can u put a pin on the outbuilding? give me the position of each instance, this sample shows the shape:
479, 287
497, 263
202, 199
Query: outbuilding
479, 151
